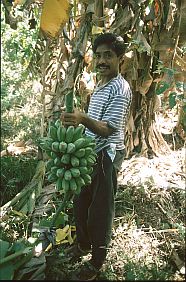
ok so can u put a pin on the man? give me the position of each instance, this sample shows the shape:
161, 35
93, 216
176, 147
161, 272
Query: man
105, 121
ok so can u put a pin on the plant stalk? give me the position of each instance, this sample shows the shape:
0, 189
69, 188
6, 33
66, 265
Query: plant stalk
62, 207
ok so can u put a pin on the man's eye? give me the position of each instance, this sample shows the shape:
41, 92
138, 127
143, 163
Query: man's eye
97, 56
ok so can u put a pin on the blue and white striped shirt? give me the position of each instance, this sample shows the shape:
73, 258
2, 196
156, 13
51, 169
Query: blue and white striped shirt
111, 102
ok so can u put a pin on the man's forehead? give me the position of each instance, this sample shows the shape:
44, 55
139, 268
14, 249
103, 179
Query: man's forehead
104, 49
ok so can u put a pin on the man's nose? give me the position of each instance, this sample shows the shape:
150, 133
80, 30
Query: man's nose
101, 60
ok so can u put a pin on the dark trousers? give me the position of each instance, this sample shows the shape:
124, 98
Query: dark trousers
94, 207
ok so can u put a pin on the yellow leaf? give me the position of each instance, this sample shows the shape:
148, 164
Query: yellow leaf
70, 240
97, 29
73, 228
55, 13
63, 242
48, 247
18, 213
61, 233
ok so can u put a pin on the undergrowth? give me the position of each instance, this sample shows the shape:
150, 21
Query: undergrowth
16, 172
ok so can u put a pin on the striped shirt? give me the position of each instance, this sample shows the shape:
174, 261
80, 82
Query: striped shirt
110, 102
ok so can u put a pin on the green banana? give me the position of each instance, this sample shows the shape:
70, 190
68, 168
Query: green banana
83, 169
61, 133
82, 162
90, 170
88, 151
86, 178
71, 148
91, 160
53, 155
46, 143
62, 147
74, 161
80, 181
79, 143
65, 159
52, 177
53, 132
59, 184
73, 185
75, 171
54, 169
49, 164
57, 161
68, 175
57, 123
65, 184
60, 172
78, 132
69, 134
80, 153
55, 146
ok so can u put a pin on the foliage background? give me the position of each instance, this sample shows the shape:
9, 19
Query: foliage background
19, 105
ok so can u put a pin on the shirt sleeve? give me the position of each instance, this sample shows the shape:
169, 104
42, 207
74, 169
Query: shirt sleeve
117, 108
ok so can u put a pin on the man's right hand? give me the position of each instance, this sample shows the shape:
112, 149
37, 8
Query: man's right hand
74, 118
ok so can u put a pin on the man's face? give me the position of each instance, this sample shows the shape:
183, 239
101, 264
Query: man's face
107, 62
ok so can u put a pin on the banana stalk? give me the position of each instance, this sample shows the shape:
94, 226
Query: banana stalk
68, 195
69, 102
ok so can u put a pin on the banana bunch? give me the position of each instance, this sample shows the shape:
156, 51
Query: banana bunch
71, 156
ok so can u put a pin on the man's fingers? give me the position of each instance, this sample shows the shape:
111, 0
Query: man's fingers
68, 123
66, 115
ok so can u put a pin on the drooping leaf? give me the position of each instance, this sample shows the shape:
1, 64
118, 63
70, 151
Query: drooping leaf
97, 29
61, 219
146, 83
54, 15
6, 271
4, 245
172, 99
45, 222
162, 86
18, 246
33, 269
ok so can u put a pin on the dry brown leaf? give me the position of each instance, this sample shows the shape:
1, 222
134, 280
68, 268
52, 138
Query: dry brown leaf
146, 83
20, 143
136, 140
123, 19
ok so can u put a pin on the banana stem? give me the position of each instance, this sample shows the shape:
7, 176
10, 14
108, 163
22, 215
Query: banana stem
62, 207
69, 102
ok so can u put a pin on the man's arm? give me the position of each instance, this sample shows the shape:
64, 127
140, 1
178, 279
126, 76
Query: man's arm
100, 128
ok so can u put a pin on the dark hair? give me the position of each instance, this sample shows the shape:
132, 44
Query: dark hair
115, 42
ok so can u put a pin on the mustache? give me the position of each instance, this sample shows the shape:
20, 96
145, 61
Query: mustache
102, 65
